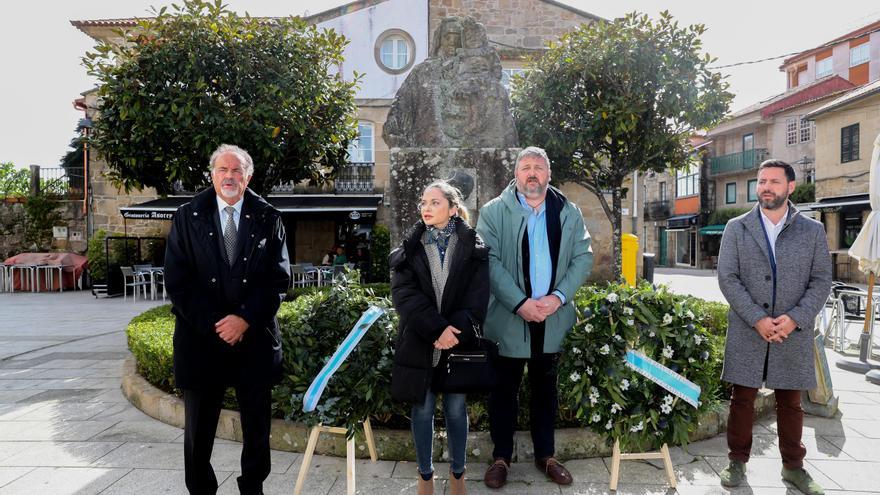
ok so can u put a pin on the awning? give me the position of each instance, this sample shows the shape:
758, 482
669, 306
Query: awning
712, 230
681, 222
852, 202
357, 206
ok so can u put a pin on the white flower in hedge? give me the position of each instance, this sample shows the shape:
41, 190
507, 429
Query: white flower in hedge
624, 384
618, 338
589, 371
611, 297
588, 328
698, 339
615, 408
667, 319
604, 350
630, 322
668, 399
575, 350
689, 314
651, 334
596, 418
668, 352
627, 310
637, 428
575, 377
609, 425
692, 360
665, 408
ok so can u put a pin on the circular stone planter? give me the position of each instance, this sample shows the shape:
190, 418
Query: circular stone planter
397, 445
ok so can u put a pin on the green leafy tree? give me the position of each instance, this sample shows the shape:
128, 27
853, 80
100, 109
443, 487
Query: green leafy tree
804, 193
184, 82
14, 182
615, 97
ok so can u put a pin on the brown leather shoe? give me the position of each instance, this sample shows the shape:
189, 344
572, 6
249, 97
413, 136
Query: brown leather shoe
496, 475
554, 470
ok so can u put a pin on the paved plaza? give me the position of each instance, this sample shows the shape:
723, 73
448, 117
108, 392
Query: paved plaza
65, 427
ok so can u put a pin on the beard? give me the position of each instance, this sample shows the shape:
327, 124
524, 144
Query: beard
533, 189
774, 202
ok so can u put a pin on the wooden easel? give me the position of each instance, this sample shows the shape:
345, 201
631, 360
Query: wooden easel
616, 457
349, 454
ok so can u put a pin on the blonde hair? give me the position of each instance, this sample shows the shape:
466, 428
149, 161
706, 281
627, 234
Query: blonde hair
452, 194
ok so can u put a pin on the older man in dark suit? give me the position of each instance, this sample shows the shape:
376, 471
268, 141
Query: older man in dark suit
227, 271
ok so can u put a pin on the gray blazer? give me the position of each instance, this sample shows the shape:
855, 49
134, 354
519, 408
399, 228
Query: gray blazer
803, 283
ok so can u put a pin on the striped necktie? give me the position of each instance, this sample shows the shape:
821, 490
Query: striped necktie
229, 234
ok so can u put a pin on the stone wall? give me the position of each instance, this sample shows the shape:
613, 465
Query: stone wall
12, 220
529, 24
106, 200
12, 229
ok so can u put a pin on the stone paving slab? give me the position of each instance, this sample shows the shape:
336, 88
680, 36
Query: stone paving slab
60, 454
864, 476
284, 483
147, 430
63, 481
153, 481
10, 474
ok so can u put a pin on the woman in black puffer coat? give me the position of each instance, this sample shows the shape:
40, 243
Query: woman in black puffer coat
440, 288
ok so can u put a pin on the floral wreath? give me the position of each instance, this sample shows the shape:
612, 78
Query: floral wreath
615, 401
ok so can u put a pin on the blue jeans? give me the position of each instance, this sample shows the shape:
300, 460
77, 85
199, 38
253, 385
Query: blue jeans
455, 412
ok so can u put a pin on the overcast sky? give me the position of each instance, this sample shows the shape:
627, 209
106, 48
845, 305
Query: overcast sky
41, 73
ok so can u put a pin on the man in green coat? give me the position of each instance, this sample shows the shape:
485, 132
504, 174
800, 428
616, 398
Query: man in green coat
539, 255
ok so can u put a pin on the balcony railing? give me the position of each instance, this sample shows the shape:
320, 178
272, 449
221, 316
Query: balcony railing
737, 162
657, 210
355, 178
68, 183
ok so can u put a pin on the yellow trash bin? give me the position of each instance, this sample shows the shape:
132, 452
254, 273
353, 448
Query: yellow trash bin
630, 253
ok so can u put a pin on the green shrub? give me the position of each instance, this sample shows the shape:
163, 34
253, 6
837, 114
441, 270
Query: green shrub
804, 193
722, 216
150, 339
97, 256
713, 315
380, 248
312, 327
315, 322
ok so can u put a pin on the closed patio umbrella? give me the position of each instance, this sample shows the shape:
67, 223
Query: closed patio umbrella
866, 249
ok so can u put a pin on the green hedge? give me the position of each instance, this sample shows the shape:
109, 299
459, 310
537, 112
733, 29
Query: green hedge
316, 320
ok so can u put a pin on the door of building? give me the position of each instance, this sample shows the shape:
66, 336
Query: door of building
661, 236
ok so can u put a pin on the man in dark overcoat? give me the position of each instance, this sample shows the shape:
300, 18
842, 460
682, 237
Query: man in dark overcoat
227, 271
774, 269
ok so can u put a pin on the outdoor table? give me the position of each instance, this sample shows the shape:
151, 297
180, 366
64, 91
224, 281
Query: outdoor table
150, 272
29, 270
49, 275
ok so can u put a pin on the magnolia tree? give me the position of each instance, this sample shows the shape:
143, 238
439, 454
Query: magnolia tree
611, 98
185, 81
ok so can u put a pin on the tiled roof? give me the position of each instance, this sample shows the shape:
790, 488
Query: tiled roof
870, 28
851, 97
823, 88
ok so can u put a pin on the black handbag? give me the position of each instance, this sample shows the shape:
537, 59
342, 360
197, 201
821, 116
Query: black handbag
469, 370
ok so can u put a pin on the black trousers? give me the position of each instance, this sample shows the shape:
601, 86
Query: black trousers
203, 407
544, 402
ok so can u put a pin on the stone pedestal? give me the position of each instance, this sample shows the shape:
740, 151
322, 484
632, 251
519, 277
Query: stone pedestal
480, 174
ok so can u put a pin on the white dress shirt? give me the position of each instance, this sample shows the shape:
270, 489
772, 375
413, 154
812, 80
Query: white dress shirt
221, 208
772, 229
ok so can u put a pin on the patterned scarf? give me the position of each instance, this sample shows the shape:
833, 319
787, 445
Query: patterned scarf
440, 237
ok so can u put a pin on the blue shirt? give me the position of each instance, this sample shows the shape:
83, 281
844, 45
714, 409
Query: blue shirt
540, 262
236, 217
